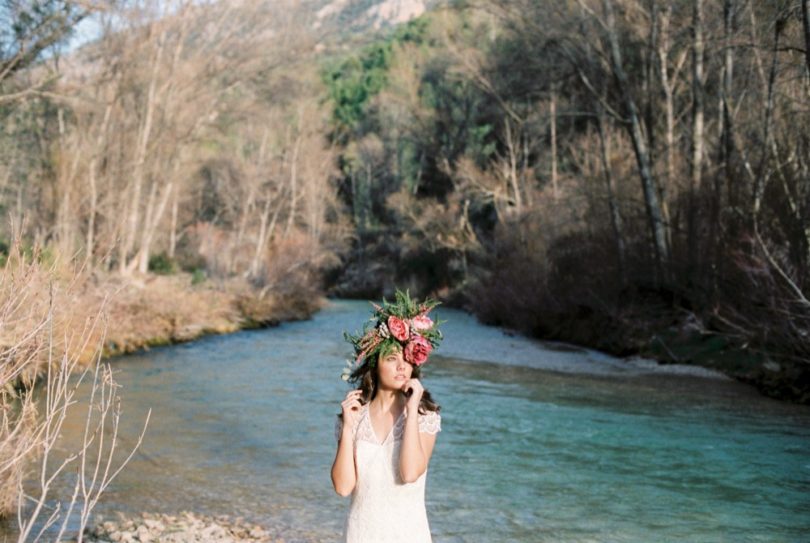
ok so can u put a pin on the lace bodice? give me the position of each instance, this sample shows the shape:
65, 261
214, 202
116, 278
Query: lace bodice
429, 423
384, 509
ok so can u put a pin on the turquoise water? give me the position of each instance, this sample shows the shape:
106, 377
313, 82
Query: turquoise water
539, 442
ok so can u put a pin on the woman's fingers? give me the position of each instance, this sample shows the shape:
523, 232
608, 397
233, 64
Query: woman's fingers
354, 394
351, 404
413, 385
413, 390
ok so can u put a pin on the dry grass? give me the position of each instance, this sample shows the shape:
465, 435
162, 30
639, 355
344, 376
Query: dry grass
169, 309
165, 309
57, 323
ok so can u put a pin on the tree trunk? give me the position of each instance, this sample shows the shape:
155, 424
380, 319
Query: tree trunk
698, 106
154, 215
173, 228
257, 254
512, 148
293, 185
150, 227
141, 261
651, 200
247, 209
138, 174
650, 109
770, 142
553, 119
615, 214
524, 174
668, 86
91, 175
725, 148
806, 24
65, 219
265, 231
727, 144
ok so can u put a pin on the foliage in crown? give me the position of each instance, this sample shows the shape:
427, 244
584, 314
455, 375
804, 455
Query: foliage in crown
402, 324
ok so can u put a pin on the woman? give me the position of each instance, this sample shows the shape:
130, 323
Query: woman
387, 429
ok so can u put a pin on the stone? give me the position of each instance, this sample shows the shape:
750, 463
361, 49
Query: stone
153, 524
257, 532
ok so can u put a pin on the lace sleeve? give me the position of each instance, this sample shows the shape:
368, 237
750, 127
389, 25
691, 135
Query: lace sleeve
430, 423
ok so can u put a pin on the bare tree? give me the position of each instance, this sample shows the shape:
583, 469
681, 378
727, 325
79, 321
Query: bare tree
651, 192
615, 214
806, 25
697, 143
668, 80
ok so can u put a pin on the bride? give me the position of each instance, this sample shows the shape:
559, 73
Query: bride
388, 426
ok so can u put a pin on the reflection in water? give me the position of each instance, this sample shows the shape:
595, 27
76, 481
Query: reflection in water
537, 444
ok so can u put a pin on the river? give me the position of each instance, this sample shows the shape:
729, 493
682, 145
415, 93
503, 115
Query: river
540, 442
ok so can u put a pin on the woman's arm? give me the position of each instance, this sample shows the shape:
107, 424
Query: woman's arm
344, 474
417, 447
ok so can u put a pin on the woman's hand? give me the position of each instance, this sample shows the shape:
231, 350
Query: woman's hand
416, 447
416, 389
351, 409
344, 472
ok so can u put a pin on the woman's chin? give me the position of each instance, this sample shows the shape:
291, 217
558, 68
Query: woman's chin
396, 386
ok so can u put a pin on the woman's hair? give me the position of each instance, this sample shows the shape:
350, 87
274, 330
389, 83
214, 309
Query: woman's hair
366, 378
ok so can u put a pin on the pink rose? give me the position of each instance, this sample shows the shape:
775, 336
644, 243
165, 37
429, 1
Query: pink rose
398, 328
421, 322
417, 350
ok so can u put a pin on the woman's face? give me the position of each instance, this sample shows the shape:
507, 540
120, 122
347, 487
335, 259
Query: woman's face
393, 371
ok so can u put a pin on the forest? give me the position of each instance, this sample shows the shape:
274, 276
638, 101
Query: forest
630, 175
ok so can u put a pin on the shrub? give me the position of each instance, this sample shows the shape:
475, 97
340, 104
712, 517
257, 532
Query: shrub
161, 264
38, 329
198, 276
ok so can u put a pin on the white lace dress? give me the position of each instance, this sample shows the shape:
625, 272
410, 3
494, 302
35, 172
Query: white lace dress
383, 508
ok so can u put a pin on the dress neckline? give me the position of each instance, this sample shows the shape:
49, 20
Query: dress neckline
374, 432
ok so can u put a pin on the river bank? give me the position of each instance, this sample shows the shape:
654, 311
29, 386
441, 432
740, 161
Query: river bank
111, 315
652, 328
670, 338
163, 310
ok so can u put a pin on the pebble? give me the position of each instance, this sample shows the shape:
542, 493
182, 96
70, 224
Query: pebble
186, 527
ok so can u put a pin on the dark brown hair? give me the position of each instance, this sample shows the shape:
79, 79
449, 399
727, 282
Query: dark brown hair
366, 379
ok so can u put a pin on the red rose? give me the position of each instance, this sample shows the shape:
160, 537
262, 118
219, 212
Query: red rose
417, 350
398, 328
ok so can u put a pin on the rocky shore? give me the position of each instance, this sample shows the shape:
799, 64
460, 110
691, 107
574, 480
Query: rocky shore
185, 527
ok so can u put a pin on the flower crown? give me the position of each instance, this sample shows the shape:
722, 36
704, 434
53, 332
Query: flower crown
402, 324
